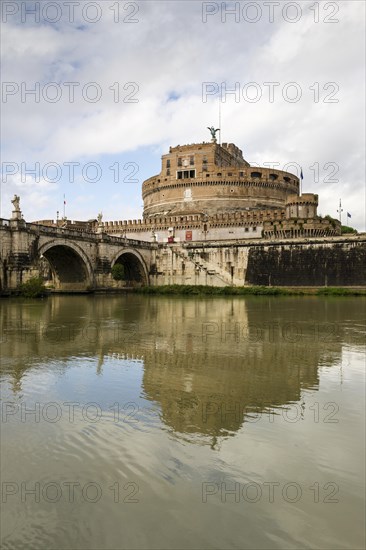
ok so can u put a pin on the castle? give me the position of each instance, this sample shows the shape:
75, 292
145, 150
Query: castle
209, 219
209, 192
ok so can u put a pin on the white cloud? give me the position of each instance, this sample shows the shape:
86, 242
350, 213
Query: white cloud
170, 51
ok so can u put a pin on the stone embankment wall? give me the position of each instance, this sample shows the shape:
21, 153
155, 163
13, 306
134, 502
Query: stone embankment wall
314, 264
333, 261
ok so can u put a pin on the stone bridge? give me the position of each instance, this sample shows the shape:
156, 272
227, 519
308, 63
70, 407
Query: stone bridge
69, 260
79, 260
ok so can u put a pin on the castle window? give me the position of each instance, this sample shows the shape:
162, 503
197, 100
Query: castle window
168, 172
273, 176
246, 229
256, 175
241, 174
204, 168
287, 179
168, 163
207, 175
204, 160
186, 174
229, 173
179, 161
219, 174
254, 228
191, 161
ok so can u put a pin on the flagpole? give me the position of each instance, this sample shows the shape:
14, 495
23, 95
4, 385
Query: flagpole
301, 178
220, 118
340, 210
64, 205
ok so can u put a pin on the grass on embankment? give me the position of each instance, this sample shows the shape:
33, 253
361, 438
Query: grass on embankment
191, 290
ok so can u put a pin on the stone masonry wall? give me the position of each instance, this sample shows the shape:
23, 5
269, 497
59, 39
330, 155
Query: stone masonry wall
320, 264
337, 261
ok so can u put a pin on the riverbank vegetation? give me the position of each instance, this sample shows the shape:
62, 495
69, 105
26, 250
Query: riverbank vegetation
34, 288
191, 290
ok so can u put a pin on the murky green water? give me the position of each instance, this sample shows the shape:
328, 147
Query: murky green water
153, 422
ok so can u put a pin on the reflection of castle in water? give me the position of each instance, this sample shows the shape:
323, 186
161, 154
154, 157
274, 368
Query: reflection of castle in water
207, 362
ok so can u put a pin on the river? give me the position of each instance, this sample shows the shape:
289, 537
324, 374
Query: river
143, 422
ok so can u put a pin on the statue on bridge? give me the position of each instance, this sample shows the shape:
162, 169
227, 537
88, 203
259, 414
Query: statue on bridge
15, 202
17, 214
100, 223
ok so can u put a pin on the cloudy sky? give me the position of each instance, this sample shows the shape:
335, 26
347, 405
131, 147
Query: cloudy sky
116, 83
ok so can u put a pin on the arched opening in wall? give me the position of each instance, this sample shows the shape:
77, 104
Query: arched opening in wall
63, 268
135, 273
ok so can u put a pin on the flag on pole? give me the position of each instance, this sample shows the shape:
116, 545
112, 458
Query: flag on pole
301, 175
349, 215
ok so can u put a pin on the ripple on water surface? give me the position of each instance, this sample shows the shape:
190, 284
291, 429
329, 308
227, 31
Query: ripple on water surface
171, 437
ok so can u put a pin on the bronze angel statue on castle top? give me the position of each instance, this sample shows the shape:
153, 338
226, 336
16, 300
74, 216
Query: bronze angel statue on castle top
213, 131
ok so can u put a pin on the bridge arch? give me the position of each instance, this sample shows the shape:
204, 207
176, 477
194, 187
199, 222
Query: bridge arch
136, 271
70, 267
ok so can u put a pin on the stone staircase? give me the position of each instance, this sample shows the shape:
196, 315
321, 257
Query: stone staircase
223, 276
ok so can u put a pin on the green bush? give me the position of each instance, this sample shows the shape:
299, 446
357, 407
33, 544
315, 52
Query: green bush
118, 272
346, 229
338, 291
34, 288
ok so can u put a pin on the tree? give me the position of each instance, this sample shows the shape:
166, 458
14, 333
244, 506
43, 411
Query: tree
118, 272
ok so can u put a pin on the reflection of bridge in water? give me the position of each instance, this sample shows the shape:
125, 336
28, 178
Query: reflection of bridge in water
208, 364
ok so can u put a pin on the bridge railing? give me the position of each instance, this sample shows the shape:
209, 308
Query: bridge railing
78, 233
119, 240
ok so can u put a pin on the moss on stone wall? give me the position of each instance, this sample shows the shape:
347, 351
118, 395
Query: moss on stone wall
306, 265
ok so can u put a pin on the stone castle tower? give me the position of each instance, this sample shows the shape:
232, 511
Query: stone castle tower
211, 179
209, 192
